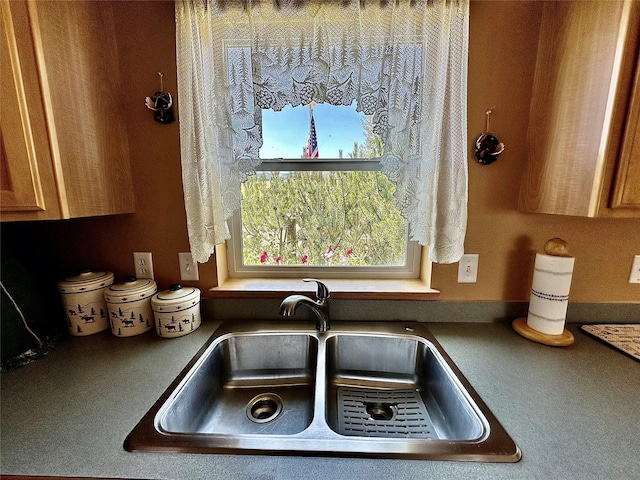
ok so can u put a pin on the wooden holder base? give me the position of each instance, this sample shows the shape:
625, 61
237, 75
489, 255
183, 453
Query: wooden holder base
563, 340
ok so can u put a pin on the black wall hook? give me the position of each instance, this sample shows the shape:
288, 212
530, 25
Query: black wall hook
161, 103
487, 147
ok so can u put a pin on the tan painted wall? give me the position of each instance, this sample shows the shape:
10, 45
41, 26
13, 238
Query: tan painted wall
502, 50
502, 55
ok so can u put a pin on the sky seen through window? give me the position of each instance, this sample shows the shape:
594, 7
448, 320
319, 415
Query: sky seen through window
285, 133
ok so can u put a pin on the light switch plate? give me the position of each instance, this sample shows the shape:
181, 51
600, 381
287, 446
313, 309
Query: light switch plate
468, 268
188, 268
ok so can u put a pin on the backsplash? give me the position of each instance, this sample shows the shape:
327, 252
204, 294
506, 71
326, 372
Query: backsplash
422, 311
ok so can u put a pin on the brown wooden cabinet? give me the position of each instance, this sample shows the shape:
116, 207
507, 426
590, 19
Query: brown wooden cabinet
64, 150
626, 189
583, 141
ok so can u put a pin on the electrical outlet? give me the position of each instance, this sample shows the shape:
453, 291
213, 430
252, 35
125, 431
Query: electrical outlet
143, 265
188, 268
634, 276
468, 268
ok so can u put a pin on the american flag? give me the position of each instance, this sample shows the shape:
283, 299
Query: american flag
312, 142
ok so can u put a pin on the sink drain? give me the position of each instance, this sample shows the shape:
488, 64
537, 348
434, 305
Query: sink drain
264, 407
381, 411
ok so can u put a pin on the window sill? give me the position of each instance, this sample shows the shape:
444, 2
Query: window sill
340, 288
414, 289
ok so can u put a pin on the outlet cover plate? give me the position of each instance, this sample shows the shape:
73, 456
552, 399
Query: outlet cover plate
143, 265
634, 276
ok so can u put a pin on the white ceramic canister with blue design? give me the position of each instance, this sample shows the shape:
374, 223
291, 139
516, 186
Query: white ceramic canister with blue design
129, 305
177, 311
83, 300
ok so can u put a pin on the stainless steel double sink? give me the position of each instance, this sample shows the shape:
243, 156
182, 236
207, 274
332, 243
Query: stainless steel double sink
380, 389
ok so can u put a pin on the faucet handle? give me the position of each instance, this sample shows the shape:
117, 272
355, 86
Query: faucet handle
323, 291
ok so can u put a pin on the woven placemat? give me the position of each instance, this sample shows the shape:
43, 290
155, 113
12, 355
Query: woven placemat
624, 337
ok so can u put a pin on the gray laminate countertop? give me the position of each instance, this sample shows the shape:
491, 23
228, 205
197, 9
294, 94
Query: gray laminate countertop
574, 411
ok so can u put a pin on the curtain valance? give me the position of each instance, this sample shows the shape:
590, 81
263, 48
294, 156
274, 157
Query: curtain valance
404, 63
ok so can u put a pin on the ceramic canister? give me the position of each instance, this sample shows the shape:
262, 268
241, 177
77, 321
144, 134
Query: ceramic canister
83, 300
129, 305
176, 311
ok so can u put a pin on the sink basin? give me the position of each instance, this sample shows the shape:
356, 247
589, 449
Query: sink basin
380, 389
395, 387
272, 376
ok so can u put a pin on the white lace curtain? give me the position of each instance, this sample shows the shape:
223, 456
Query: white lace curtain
403, 62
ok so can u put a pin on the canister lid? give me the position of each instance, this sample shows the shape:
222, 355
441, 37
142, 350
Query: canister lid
85, 280
176, 293
133, 286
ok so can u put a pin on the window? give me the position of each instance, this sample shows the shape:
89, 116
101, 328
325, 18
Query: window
404, 63
334, 215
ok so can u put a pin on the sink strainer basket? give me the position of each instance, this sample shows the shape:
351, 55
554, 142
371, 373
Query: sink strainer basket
383, 413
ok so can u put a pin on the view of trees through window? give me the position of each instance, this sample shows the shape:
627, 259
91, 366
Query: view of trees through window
321, 217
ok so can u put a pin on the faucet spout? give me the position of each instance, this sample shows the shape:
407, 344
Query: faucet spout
319, 307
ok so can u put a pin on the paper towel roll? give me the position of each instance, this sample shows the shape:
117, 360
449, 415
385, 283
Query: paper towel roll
550, 293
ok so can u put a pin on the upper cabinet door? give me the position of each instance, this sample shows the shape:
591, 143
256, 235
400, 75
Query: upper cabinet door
626, 192
25, 160
580, 155
65, 147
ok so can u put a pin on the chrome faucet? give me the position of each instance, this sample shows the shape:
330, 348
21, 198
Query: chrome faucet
320, 306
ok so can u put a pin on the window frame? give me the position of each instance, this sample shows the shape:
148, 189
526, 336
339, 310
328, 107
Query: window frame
411, 269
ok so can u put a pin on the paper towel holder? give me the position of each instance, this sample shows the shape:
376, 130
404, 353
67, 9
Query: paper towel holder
554, 247
563, 340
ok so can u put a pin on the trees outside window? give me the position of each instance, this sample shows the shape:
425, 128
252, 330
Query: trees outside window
328, 212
